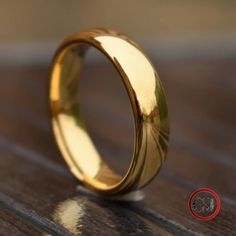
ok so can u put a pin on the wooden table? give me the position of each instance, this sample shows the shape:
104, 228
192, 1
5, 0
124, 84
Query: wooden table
39, 196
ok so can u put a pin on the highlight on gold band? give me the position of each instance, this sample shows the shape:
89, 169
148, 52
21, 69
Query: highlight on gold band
148, 103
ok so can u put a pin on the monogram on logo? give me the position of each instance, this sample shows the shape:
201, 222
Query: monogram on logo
204, 204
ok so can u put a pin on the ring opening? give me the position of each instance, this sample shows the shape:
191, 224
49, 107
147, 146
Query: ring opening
70, 126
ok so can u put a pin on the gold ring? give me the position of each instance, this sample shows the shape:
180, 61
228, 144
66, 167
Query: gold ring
148, 103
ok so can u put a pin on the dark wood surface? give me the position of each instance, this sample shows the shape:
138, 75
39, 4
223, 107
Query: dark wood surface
39, 196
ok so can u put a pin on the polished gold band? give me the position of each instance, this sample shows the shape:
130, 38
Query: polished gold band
147, 100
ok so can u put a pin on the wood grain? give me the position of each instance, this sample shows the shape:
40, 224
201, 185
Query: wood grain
11, 224
36, 188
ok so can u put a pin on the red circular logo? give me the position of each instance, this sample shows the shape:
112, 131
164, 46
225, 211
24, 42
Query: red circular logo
204, 204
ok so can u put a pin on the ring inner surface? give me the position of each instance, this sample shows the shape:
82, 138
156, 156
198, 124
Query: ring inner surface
78, 147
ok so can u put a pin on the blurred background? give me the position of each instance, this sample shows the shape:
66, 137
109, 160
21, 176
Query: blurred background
168, 30
193, 46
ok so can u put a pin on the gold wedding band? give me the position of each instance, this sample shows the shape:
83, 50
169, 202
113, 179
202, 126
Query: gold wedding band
148, 105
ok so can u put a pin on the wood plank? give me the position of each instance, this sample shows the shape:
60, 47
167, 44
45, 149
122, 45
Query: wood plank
35, 142
181, 152
170, 205
11, 224
209, 179
206, 87
49, 195
31, 216
185, 112
193, 145
183, 156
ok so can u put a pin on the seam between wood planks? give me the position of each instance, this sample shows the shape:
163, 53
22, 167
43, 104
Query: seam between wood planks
32, 217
